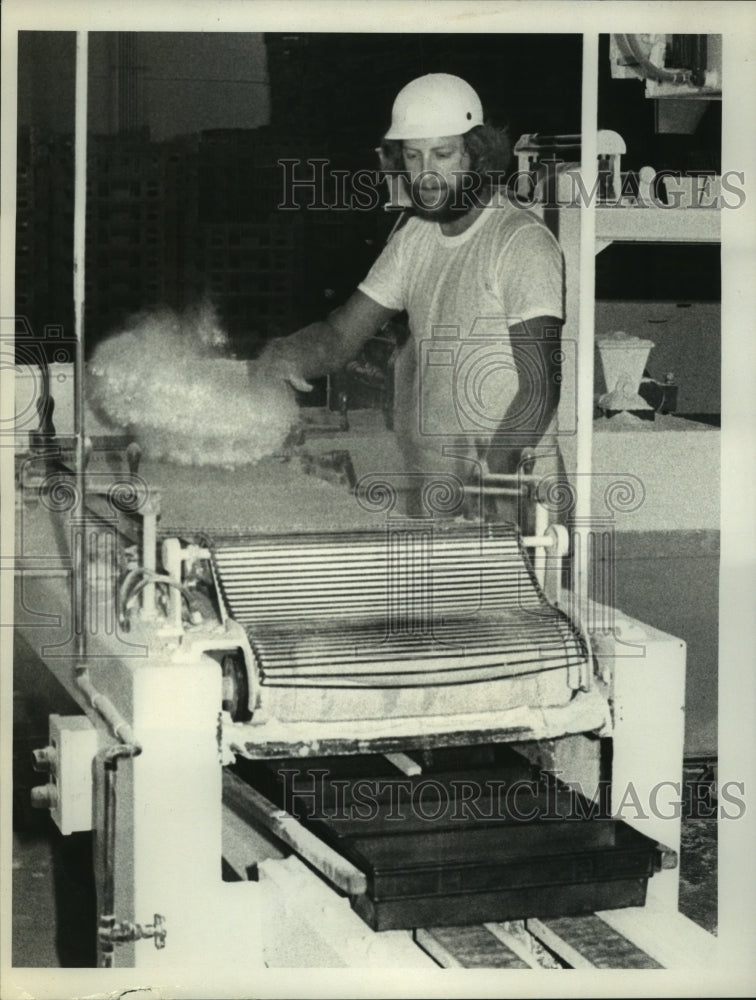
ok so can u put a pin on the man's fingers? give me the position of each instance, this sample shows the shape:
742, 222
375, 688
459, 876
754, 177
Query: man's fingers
299, 383
271, 367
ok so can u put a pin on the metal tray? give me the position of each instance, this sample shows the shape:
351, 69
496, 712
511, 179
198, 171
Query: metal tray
473, 862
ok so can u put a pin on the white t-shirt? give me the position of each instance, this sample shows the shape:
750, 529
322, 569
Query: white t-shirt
455, 377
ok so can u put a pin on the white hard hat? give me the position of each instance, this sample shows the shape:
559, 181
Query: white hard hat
434, 105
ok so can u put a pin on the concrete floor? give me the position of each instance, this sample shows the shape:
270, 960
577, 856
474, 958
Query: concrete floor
54, 909
33, 903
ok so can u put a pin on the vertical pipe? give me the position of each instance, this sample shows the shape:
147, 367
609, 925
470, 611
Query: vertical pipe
149, 554
79, 237
107, 920
79, 251
78, 546
540, 527
173, 564
584, 395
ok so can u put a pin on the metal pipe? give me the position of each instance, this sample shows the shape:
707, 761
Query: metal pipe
495, 491
538, 541
79, 256
586, 318
105, 708
127, 747
541, 526
149, 553
107, 920
495, 477
172, 562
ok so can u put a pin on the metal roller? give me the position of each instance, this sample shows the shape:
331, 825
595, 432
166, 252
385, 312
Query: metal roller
403, 607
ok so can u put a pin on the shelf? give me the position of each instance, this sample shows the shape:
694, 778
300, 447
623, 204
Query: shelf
656, 225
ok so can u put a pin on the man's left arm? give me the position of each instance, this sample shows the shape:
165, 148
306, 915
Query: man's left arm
536, 353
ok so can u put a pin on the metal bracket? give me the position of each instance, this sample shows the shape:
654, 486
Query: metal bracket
111, 932
665, 858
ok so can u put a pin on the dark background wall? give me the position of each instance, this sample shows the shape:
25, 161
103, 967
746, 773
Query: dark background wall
185, 133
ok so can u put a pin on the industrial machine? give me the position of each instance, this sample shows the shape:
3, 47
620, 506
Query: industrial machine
314, 732
315, 714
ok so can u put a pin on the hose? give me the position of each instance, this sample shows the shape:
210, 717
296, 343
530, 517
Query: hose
127, 593
151, 577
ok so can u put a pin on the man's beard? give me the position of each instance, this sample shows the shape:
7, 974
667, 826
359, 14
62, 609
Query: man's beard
443, 202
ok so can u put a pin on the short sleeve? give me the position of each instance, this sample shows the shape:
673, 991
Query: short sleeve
385, 279
531, 272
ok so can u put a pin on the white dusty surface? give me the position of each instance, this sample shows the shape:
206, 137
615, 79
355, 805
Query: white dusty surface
272, 496
671, 467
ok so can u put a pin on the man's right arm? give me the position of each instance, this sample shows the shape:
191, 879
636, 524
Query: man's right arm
326, 346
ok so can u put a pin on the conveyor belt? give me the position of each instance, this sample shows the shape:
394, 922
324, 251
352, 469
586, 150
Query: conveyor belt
468, 948
585, 942
393, 608
589, 942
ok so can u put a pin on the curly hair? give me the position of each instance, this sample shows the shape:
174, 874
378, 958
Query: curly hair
488, 147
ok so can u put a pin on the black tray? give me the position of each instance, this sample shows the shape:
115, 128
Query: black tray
503, 872
508, 904
470, 864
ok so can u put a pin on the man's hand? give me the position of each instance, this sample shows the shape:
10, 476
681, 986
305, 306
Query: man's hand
279, 362
323, 347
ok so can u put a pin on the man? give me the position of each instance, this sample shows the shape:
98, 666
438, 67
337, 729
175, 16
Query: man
477, 381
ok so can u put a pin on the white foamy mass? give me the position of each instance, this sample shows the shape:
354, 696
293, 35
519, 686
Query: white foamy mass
167, 379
